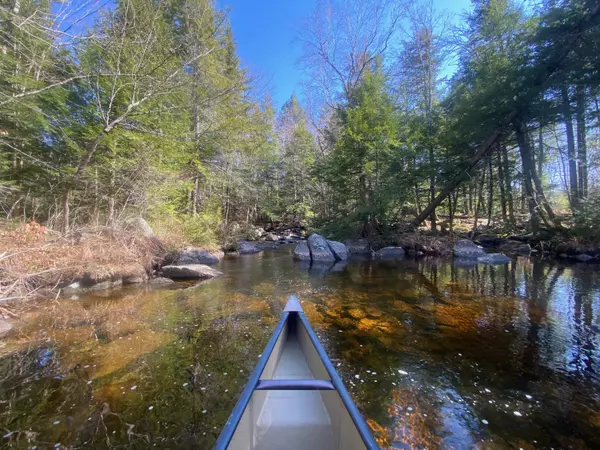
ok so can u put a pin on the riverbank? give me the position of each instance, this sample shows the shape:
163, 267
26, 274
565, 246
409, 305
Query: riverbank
36, 262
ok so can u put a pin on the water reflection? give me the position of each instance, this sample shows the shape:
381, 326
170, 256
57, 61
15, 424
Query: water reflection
436, 354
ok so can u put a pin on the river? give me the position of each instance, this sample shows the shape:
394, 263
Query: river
436, 354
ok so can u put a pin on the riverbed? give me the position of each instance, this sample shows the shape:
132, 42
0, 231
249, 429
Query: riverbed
436, 354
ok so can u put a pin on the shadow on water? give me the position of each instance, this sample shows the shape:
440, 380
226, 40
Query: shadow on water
436, 354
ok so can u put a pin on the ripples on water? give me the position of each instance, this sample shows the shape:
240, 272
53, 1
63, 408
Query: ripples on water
435, 354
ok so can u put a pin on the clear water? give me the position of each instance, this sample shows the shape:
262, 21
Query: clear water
436, 355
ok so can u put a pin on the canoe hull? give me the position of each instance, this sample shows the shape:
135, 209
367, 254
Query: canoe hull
295, 399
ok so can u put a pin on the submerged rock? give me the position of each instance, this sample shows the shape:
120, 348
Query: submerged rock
584, 258
390, 253
161, 281
319, 249
194, 255
467, 249
301, 252
247, 248
190, 272
339, 250
494, 258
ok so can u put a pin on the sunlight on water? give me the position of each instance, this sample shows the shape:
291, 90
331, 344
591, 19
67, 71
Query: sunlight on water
435, 354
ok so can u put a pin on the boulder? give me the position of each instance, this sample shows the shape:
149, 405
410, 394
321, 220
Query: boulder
339, 250
358, 247
494, 258
583, 257
391, 253
247, 248
467, 249
139, 226
271, 237
5, 328
516, 247
319, 249
190, 272
194, 255
161, 281
301, 252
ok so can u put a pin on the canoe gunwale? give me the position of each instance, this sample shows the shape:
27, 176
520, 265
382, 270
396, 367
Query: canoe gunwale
357, 418
255, 383
236, 415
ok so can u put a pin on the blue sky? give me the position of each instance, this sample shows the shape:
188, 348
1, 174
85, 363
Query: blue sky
264, 31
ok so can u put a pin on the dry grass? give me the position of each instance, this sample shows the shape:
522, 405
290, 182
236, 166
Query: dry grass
35, 261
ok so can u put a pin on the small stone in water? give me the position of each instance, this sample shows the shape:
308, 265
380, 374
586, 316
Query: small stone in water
185, 384
89, 382
357, 376
373, 373
150, 408
528, 397
402, 372
224, 373
487, 390
409, 408
56, 422
485, 422
226, 390
133, 388
517, 413
203, 411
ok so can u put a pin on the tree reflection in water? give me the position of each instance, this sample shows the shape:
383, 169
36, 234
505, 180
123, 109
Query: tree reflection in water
447, 356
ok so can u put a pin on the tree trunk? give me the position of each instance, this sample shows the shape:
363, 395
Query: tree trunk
490, 191
527, 163
581, 141
479, 201
566, 106
502, 188
541, 153
432, 217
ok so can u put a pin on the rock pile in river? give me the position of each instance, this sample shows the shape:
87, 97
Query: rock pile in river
319, 249
467, 249
194, 255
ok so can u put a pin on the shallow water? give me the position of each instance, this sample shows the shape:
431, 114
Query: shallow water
436, 355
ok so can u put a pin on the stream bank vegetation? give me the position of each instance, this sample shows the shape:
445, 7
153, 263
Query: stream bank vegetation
142, 109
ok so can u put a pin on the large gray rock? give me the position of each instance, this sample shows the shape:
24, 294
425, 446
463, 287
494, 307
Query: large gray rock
390, 253
190, 272
358, 246
194, 255
301, 252
271, 237
139, 226
494, 258
319, 249
5, 328
247, 248
339, 250
161, 281
467, 249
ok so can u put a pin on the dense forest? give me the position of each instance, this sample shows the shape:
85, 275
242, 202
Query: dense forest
409, 118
